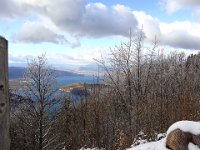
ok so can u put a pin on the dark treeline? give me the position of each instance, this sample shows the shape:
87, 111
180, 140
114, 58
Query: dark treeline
146, 90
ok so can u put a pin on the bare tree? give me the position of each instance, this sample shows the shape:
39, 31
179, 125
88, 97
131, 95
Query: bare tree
40, 110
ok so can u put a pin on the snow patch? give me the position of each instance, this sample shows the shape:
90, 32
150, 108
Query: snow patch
193, 147
186, 126
91, 149
160, 136
158, 145
141, 138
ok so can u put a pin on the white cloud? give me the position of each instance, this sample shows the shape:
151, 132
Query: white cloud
179, 34
149, 25
93, 20
10, 9
33, 32
172, 6
75, 17
85, 57
39, 32
54, 21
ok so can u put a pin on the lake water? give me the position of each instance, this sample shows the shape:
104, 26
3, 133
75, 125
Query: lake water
66, 80
61, 81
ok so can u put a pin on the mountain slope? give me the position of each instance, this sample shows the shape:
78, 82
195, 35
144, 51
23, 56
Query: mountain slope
18, 72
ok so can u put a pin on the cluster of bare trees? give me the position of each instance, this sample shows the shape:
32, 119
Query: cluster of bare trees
145, 90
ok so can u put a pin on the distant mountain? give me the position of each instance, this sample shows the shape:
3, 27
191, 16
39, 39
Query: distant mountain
18, 72
89, 67
61, 73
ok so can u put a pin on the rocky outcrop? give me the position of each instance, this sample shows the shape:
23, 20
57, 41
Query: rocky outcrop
179, 140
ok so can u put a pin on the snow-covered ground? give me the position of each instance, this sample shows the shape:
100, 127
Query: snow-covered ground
159, 145
186, 126
91, 149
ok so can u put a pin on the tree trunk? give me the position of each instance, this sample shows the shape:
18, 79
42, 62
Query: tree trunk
4, 101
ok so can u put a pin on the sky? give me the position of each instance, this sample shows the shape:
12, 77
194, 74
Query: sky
74, 32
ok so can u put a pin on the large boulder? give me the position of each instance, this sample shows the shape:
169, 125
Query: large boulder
181, 133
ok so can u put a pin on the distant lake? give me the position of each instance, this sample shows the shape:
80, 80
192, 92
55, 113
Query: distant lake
66, 80
61, 81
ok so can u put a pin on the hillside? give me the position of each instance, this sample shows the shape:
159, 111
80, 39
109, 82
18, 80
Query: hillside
18, 72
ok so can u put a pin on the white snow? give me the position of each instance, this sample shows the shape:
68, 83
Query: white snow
91, 149
193, 147
185, 125
161, 136
158, 145
139, 139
